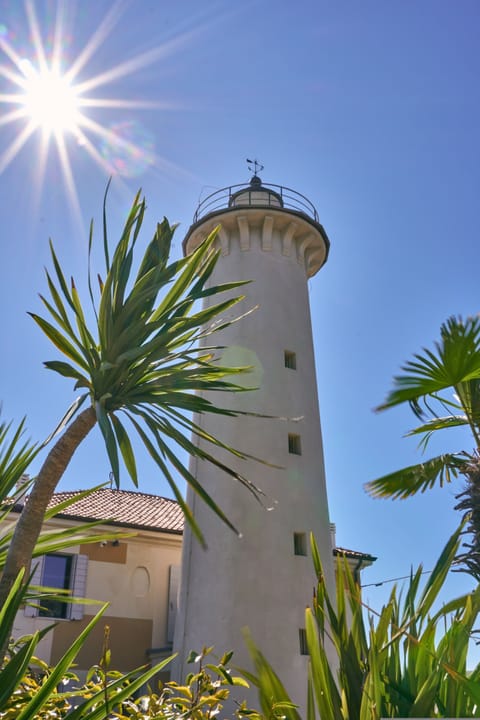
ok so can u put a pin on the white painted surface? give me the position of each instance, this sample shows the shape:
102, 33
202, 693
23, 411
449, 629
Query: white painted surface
257, 581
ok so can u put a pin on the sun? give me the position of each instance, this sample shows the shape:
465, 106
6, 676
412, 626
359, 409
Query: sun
47, 93
50, 101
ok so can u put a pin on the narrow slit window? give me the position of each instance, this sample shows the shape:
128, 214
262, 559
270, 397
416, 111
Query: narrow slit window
294, 444
290, 359
300, 543
302, 637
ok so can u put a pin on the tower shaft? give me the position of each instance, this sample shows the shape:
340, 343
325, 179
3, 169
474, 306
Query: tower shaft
264, 580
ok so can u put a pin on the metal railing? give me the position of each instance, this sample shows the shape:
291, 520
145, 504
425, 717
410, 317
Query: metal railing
248, 195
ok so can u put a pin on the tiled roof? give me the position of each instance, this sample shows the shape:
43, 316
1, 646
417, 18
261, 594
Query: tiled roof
123, 507
142, 511
354, 554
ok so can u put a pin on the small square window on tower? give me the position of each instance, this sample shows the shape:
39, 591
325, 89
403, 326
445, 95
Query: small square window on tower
302, 637
300, 543
294, 444
290, 359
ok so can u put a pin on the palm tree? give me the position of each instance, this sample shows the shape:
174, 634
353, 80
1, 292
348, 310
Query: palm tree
146, 361
442, 386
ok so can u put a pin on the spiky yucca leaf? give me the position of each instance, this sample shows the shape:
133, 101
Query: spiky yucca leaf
403, 661
144, 362
15, 457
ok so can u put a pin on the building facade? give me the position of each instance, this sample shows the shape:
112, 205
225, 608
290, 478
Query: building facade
137, 576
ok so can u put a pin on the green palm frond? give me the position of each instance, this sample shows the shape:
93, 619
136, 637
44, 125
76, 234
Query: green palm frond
455, 360
442, 387
418, 478
440, 423
146, 355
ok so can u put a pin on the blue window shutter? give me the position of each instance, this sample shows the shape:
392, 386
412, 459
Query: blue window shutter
79, 585
174, 581
37, 567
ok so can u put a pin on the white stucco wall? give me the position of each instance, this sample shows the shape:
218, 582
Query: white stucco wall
257, 581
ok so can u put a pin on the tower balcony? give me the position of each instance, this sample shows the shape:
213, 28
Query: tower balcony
273, 217
255, 194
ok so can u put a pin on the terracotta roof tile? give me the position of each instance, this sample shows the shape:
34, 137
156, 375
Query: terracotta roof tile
124, 507
343, 552
142, 511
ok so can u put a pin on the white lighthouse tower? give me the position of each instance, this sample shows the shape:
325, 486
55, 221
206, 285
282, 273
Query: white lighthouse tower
269, 235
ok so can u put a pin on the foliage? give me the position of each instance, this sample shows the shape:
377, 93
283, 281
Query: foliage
408, 660
145, 367
29, 688
44, 692
15, 678
146, 359
203, 694
442, 386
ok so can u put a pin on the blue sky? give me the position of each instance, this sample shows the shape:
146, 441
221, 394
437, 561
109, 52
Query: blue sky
369, 109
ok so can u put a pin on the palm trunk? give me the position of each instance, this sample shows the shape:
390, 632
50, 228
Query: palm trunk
469, 559
31, 519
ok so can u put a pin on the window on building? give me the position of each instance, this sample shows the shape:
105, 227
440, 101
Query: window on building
65, 572
302, 637
294, 444
57, 573
300, 543
290, 359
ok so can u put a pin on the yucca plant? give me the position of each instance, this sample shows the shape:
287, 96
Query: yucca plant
442, 386
407, 660
16, 454
139, 368
29, 688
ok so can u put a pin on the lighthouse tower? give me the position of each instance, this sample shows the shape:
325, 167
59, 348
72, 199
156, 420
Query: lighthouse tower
263, 580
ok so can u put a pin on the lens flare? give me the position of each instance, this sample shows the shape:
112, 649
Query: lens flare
129, 148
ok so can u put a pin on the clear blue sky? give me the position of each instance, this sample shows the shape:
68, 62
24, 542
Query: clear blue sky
370, 109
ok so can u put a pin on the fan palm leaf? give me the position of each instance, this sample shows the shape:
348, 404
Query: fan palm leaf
445, 379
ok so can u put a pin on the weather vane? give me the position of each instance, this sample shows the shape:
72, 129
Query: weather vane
254, 166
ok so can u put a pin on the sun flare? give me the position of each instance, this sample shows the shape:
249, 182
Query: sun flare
50, 100
46, 92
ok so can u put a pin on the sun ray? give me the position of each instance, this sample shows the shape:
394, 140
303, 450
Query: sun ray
100, 34
69, 180
57, 39
40, 171
50, 95
10, 99
109, 135
9, 51
90, 148
136, 63
15, 146
36, 36
12, 75
12, 116
126, 104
